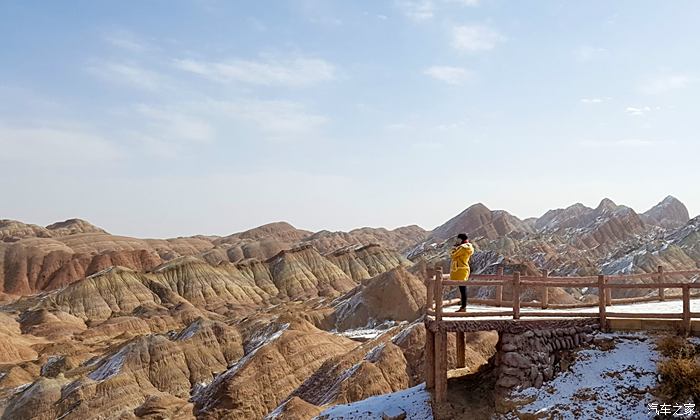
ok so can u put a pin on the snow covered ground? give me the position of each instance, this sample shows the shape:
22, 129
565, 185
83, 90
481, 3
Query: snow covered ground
370, 332
671, 306
610, 384
415, 402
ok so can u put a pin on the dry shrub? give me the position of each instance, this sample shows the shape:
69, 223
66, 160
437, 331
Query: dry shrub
675, 347
680, 379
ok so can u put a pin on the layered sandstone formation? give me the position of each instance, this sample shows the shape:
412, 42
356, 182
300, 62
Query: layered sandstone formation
479, 221
669, 213
400, 239
365, 262
35, 258
395, 295
255, 385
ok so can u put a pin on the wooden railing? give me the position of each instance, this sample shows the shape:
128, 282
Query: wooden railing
437, 282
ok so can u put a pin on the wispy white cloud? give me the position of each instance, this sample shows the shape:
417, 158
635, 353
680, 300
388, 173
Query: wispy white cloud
595, 100
169, 130
469, 3
291, 72
176, 124
417, 10
640, 110
449, 126
666, 83
473, 38
631, 110
448, 74
54, 143
128, 74
587, 53
397, 126
424, 10
276, 120
629, 142
126, 40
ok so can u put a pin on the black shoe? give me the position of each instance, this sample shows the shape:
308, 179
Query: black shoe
462, 309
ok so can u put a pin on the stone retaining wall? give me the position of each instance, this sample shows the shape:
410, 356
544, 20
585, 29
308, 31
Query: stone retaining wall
532, 357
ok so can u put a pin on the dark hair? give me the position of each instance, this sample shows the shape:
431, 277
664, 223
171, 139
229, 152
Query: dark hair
462, 237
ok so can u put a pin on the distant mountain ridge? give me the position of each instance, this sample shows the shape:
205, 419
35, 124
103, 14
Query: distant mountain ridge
576, 240
35, 258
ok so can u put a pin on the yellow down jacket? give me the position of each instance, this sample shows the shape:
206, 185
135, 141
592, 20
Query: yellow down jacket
459, 269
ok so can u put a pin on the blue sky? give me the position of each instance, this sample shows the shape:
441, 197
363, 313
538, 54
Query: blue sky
163, 118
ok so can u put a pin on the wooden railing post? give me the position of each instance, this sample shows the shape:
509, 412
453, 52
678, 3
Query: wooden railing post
608, 294
686, 309
440, 364
545, 291
601, 303
438, 294
516, 295
429, 286
461, 350
661, 279
499, 288
440, 343
429, 359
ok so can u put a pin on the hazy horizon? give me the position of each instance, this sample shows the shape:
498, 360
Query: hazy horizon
161, 119
312, 229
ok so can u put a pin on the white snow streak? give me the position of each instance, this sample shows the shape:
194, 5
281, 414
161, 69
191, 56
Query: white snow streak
415, 402
110, 367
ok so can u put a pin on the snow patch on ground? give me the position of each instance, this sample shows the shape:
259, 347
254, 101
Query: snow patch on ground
267, 335
277, 411
198, 389
111, 366
415, 402
372, 331
190, 331
600, 384
49, 363
21, 388
102, 272
401, 336
374, 354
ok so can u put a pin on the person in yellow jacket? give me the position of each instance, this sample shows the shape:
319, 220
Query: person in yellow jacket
459, 268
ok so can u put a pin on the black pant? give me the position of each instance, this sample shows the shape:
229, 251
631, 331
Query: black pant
463, 295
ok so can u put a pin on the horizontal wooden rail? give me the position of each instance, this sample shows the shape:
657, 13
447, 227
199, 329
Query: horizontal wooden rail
557, 284
471, 283
645, 285
541, 283
644, 315
639, 276
476, 314
560, 314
